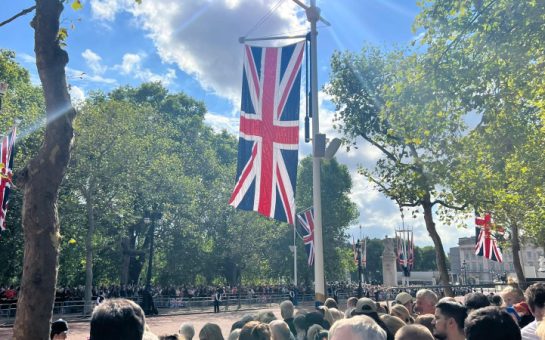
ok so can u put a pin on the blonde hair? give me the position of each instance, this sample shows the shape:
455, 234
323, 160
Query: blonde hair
401, 312
540, 331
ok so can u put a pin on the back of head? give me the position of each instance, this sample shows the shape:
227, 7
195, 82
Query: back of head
234, 334
255, 330
425, 320
210, 331
360, 326
476, 301
393, 323
117, 319
453, 310
187, 330
414, 332
286, 309
428, 295
495, 300
491, 323
316, 318
330, 303
401, 312
171, 337
280, 330
265, 316
535, 295
512, 294
351, 302
313, 331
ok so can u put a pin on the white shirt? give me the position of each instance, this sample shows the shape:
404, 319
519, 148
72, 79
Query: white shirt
529, 331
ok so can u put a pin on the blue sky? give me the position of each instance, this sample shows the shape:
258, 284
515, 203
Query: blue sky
192, 46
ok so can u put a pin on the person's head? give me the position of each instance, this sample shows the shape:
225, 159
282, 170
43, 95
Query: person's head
280, 330
425, 302
330, 303
401, 312
404, 299
393, 323
491, 323
117, 319
316, 318
210, 331
187, 330
511, 295
495, 300
234, 334
475, 301
364, 306
300, 323
425, 320
449, 320
355, 328
414, 332
313, 331
171, 337
535, 297
351, 302
265, 316
255, 330
59, 330
286, 309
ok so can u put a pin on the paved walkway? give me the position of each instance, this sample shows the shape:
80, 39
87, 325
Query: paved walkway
166, 324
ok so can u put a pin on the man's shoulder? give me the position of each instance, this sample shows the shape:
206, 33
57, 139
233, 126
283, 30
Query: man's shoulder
529, 331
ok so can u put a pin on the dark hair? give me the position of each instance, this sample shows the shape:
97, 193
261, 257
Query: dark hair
117, 319
255, 330
170, 337
476, 301
491, 323
453, 310
535, 295
495, 300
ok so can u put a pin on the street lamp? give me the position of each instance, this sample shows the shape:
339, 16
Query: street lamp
464, 269
148, 305
360, 288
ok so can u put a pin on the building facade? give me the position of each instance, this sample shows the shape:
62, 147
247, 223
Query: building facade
466, 267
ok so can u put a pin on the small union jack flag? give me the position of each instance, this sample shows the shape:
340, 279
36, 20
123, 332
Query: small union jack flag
269, 131
486, 244
6, 173
405, 251
305, 229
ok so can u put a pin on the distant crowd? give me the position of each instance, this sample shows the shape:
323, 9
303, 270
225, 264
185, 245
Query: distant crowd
510, 315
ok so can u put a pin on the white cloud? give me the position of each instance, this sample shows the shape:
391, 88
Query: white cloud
106, 9
131, 65
27, 58
76, 94
220, 122
93, 61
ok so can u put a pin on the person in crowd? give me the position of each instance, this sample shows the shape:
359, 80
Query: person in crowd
316, 318
449, 321
491, 323
350, 305
301, 326
255, 330
210, 331
356, 328
117, 319
393, 323
217, 300
330, 303
476, 300
525, 315
265, 316
541, 331
187, 331
235, 333
401, 312
313, 331
286, 311
368, 307
425, 320
512, 294
280, 330
425, 302
405, 299
495, 300
59, 330
322, 335
414, 332
535, 297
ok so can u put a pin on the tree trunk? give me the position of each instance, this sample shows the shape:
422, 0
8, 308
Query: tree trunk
515, 247
89, 250
41, 180
439, 252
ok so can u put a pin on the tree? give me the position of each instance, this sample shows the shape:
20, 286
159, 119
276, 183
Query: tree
388, 100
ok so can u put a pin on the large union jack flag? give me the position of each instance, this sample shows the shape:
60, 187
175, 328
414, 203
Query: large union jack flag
305, 229
486, 244
6, 173
269, 131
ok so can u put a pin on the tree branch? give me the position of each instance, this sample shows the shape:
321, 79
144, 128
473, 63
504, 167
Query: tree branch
23, 12
446, 205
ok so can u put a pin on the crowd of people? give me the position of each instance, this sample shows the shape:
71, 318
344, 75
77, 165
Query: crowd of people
510, 315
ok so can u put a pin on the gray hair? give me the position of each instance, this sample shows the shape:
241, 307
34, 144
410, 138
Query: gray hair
234, 334
286, 309
362, 326
187, 330
428, 295
280, 330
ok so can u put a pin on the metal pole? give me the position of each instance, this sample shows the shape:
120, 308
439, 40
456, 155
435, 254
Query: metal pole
360, 288
313, 15
294, 256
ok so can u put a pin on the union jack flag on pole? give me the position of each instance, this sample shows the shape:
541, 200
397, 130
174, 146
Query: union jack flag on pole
305, 229
486, 244
6, 173
269, 131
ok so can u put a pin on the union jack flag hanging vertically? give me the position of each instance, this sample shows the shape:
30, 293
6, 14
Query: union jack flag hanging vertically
269, 131
485, 243
405, 250
6, 173
305, 229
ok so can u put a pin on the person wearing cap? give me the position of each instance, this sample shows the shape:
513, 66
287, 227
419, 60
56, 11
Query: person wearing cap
368, 307
59, 330
405, 299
